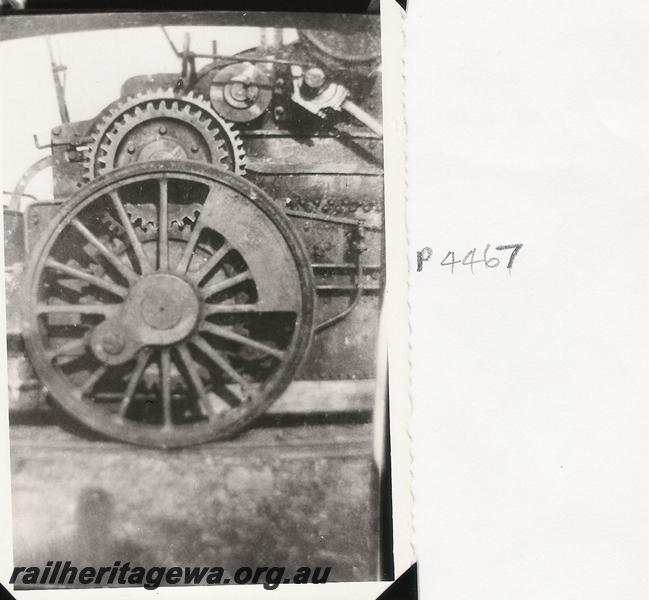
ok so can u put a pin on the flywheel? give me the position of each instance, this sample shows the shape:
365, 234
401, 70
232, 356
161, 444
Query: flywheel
346, 47
240, 92
168, 336
162, 125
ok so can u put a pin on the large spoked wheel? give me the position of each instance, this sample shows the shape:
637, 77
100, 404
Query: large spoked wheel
169, 304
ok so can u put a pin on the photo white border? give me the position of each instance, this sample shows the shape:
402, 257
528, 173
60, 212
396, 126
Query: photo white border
393, 341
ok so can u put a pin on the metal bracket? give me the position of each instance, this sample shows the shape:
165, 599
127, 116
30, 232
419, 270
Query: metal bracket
43, 146
333, 96
357, 249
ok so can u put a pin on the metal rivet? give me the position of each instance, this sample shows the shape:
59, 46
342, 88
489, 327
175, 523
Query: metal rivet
113, 343
162, 130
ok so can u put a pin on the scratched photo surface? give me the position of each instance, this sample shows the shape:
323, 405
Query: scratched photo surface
194, 267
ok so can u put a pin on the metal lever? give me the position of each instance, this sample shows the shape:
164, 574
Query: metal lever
59, 83
332, 96
368, 120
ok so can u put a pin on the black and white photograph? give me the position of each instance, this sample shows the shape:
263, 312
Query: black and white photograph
325, 301
195, 271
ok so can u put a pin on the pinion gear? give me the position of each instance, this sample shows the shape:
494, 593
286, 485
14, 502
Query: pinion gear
159, 125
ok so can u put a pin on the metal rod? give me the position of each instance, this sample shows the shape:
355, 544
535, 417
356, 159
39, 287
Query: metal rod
346, 288
342, 266
286, 133
171, 42
237, 58
327, 219
368, 120
58, 84
358, 292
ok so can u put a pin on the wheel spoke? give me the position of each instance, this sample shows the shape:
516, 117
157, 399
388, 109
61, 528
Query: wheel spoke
230, 309
95, 376
188, 252
145, 265
210, 290
165, 386
203, 400
229, 400
212, 262
108, 310
222, 332
123, 269
67, 349
109, 286
136, 375
163, 225
217, 358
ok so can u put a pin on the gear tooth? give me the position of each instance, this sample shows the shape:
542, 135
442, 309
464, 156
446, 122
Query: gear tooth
114, 126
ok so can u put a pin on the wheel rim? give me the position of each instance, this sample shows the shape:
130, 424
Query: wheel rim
172, 328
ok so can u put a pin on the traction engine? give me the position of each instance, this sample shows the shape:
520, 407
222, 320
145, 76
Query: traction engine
215, 234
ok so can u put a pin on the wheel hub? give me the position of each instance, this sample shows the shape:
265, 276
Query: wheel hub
161, 310
162, 149
165, 307
241, 95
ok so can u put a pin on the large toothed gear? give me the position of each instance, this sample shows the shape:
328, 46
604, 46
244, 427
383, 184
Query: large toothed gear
161, 125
